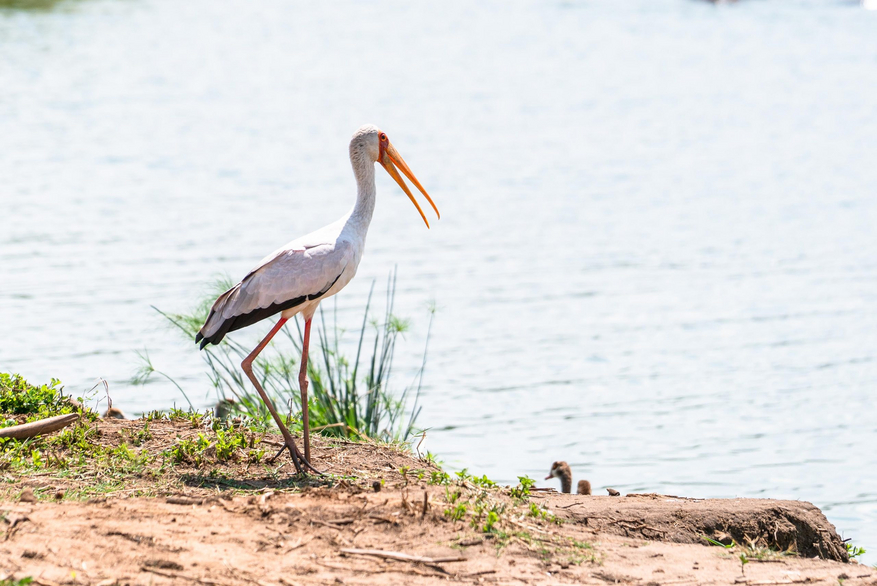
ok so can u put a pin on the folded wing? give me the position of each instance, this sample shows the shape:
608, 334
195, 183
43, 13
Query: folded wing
286, 279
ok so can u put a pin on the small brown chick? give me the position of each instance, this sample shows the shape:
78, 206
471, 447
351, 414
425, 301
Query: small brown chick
114, 413
562, 471
223, 409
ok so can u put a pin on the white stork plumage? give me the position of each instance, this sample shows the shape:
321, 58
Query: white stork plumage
295, 278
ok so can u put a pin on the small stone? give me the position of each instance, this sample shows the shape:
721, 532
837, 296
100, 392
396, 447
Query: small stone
27, 496
376, 486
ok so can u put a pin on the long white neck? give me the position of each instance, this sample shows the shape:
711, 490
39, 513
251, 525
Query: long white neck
364, 171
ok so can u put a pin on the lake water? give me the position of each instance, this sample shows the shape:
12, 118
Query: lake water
656, 258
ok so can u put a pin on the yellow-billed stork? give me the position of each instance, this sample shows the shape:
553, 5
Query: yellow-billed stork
295, 278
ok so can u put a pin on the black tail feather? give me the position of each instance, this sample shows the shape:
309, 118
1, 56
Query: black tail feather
237, 322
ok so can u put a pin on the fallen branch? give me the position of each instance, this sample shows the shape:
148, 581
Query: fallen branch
176, 575
777, 583
41, 427
403, 557
183, 500
630, 526
383, 518
343, 569
335, 524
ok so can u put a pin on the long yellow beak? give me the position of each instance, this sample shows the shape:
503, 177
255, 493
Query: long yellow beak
390, 157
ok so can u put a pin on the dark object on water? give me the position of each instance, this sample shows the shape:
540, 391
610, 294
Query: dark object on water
613, 492
376, 486
562, 471
114, 413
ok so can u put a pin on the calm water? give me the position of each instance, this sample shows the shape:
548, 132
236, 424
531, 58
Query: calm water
657, 253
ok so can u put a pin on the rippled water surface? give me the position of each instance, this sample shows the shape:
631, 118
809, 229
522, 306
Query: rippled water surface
656, 258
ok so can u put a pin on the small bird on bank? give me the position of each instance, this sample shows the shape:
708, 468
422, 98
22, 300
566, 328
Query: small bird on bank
27, 496
295, 278
114, 413
223, 409
562, 471
613, 492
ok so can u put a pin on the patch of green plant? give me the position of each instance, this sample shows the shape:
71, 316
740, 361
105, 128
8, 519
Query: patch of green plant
142, 435
193, 416
522, 490
439, 477
189, 451
490, 522
544, 514
350, 398
457, 512
430, 458
483, 482
18, 397
751, 552
719, 543
229, 443
854, 551
14, 582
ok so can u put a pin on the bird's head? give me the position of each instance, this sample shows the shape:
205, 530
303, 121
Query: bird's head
372, 144
558, 470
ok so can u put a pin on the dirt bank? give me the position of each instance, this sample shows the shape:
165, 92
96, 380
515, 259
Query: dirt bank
181, 507
766, 523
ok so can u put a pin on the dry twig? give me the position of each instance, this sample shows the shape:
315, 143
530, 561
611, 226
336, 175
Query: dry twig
403, 557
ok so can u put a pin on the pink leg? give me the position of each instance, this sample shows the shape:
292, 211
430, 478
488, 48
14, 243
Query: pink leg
300, 461
303, 385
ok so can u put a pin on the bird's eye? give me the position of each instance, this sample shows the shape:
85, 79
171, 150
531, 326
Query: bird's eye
383, 136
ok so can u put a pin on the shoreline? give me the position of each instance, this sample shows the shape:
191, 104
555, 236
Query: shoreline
157, 514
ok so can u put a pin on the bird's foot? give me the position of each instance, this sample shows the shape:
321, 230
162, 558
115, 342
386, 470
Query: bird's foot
301, 463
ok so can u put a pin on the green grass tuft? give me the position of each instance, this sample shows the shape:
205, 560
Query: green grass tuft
347, 398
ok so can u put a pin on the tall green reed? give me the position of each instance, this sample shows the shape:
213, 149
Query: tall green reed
346, 399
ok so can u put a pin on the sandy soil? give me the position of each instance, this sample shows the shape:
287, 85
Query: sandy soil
278, 538
249, 524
